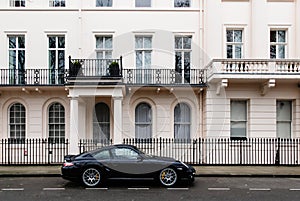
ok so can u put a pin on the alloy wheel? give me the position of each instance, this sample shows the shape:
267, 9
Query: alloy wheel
168, 177
91, 177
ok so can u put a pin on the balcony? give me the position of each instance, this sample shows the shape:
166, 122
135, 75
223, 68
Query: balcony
219, 69
111, 71
33, 77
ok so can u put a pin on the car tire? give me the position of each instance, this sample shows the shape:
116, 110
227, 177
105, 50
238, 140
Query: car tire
91, 177
168, 177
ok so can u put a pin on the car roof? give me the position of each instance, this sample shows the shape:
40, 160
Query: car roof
114, 146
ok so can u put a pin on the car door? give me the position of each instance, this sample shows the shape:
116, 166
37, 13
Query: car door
126, 162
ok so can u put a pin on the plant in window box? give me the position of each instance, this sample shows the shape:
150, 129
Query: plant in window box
77, 69
114, 69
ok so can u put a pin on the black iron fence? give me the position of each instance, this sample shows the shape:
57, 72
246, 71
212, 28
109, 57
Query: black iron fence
224, 151
90, 144
32, 151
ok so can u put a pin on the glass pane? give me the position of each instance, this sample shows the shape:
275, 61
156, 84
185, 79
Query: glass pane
283, 129
238, 52
229, 35
138, 42
281, 51
12, 42
99, 42
238, 111
100, 55
229, 51
52, 58
142, 3
238, 129
12, 59
108, 54
284, 110
52, 42
147, 59
178, 61
104, 3
178, 42
21, 42
108, 42
147, 42
182, 3
187, 60
187, 42
61, 59
273, 51
273, 36
61, 42
21, 60
238, 36
281, 36
139, 58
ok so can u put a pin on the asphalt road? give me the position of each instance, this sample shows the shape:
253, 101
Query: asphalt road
204, 188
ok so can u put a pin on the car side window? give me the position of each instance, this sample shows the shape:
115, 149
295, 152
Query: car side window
102, 155
124, 153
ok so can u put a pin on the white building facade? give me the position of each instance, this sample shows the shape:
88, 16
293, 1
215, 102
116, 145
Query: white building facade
181, 69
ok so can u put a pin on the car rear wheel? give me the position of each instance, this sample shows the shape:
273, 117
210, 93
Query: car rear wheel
168, 177
91, 177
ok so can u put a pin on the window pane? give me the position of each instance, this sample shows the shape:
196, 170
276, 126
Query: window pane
142, 3
284, 110
139, 59
237, 36
178, 42
52, 42
182, 3
21, 42
238, 129
273, 51
182, 121
143, 121
61, 42
281, 36
229, 35
238, 111
99, 42
103, 3
138, 42
229, 51
281, 51
283, 129
147, 42
238, 51
108, 42
101, 119
147, 59
12, 42
187, 42
273, 36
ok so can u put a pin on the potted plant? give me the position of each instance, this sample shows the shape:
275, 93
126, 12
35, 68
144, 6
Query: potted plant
77, 70
114, 69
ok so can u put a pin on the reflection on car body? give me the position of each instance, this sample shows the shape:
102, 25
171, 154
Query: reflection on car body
124, 162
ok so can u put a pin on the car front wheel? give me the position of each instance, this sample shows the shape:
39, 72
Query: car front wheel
91, 177
168, 177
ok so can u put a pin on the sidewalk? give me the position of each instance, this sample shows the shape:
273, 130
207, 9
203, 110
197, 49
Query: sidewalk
267, 171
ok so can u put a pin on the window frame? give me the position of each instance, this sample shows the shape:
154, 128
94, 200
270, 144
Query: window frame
56, 74
289, 121
233, 43
57, 3
182, 123
278, 43
144, 50
235, 121
17, 3
19, 135
103, 49
144, 123
102, 137
61, 123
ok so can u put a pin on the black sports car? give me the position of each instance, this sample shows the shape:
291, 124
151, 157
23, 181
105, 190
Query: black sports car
124, 162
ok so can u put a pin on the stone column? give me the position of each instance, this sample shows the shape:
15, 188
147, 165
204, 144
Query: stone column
118, 120
74, 120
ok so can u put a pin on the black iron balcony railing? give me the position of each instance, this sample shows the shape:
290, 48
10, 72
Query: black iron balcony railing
95, 67
34, 77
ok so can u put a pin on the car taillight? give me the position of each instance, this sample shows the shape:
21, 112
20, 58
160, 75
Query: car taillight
68, 164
